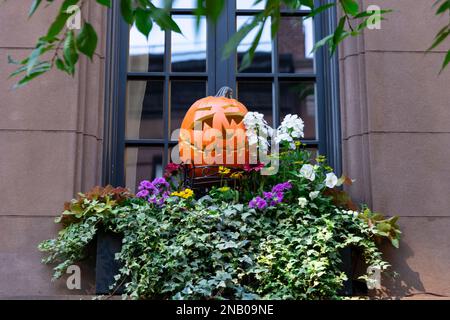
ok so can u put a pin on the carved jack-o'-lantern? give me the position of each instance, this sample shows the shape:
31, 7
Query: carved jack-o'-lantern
213, 131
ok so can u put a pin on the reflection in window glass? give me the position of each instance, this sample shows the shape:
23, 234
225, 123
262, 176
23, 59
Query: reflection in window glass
262, 61
144, 110
146, 54
189, 48
299, 98
257, 96
183, 96
176, 4
143, 163
295, 42
184, 4
250, 4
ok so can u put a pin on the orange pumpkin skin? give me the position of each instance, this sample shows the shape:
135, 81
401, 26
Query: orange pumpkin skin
220, 112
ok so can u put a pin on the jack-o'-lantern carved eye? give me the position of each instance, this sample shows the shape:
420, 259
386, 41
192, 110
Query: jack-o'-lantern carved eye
220, 112
219, 116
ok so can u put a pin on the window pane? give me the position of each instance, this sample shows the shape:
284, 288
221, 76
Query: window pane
295, 42
143, 163
257, 96
298, 98
189, 48
176, 4
146, 54
302, 7
144, 110
183, 95
262, 61
250, 4
184, 4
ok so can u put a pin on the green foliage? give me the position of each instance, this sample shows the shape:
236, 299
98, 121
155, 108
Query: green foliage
60, 40
87, 40
443, 8
382, 227
219, 247
70, 245
145, 15
97, 201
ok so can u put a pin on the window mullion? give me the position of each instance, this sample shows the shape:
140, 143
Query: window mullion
166, 107
275, 86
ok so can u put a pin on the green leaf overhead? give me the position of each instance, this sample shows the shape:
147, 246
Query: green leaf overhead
34, 7
143, 21
87, 40
70, 52
145, 15
126, 8
105, 3
350, 6
163, 19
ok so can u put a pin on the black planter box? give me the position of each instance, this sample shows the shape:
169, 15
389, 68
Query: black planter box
108, 244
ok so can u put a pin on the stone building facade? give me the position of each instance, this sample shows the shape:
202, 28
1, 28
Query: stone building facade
395, 119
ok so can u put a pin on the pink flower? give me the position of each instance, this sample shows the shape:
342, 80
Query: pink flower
171, 169
253, 167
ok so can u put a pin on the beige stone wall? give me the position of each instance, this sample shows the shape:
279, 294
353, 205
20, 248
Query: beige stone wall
396, 138
50, 148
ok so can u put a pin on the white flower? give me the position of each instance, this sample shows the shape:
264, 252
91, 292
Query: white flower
307, 172
313, 194
331, 180
257, 129
291, 128
355, 214
302, 202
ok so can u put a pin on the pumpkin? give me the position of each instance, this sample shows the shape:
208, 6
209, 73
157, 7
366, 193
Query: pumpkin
220, 112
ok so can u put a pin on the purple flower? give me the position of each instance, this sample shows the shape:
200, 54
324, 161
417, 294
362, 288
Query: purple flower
268, 195
273, 198
282, 187
156, 192
160, 182
143, 193
145, 184
277, 198
258, 202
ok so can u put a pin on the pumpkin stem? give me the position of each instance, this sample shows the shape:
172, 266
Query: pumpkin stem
226, 92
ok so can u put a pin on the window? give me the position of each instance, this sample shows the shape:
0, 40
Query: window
152, 83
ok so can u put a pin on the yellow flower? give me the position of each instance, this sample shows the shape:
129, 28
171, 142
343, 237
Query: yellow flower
185, 194
298, 144
224, 170
236, 175
321, 159
224, 189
